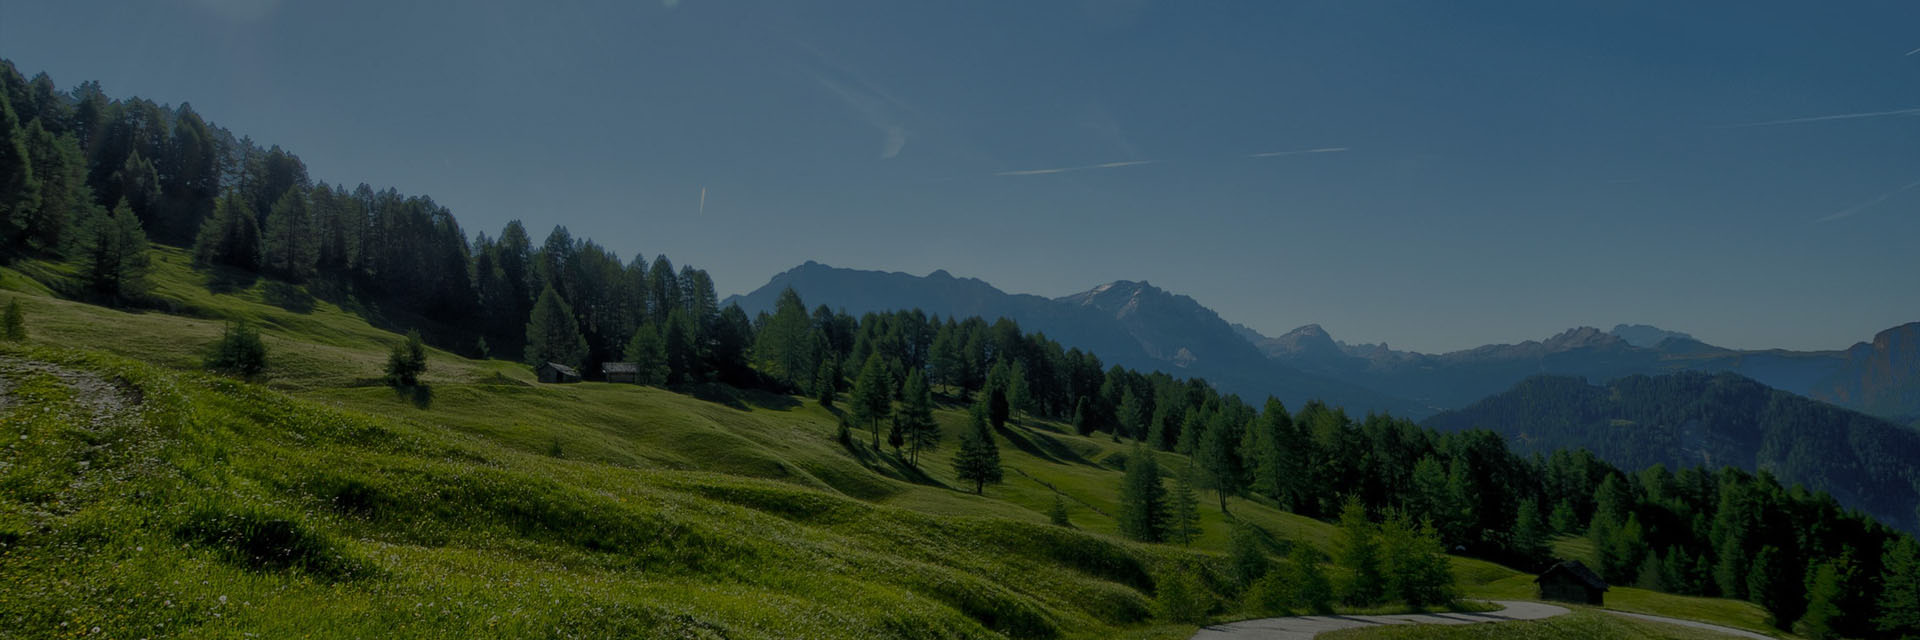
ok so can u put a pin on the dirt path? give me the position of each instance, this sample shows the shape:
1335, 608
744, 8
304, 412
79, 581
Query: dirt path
1306, 627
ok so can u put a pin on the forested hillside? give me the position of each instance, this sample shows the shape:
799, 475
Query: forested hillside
1688, 419
805, 457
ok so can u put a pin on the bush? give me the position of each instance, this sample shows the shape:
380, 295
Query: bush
407, 361
239, 351
1182, 598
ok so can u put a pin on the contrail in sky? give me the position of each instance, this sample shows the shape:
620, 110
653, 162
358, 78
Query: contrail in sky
1913, 52
703, 199
1275, 154
1841, 116
1104, 165
1868, 204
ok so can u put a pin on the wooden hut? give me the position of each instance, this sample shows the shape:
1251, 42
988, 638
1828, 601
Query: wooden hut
627, 372
556, 373
1571, 581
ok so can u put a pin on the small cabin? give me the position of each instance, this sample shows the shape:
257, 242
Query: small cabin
627, 372
1571, 581
556, 373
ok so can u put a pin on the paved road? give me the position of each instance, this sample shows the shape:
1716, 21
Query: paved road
1306, 627
1740, 633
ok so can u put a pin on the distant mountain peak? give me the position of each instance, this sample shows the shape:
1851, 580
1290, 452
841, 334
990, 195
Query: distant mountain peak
1579, 338
1646, 336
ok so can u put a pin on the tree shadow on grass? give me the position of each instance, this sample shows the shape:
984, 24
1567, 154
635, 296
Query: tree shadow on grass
890, 465
741, 399
420, 395
223, 280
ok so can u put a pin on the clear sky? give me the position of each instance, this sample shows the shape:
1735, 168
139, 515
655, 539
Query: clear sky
1485, 171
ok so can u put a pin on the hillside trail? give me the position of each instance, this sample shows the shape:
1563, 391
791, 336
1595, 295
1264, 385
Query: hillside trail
1306, 627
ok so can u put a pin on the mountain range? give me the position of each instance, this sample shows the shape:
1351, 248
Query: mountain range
1136, 324
1131, 324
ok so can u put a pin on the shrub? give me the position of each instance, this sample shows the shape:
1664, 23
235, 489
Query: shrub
1182, 598
239, 351
407, 361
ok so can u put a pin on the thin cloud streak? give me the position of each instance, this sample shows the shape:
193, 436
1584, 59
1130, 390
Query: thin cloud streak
1849, 211
1103, 165
1841, 116
1276, 154
1913, 52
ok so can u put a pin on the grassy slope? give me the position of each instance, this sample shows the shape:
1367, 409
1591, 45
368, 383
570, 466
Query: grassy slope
663, 513
1582, 623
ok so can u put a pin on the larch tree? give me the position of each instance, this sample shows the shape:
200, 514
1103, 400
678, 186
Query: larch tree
1143, 498
553, 335
978, 460
648, 353
916, 417
872, 399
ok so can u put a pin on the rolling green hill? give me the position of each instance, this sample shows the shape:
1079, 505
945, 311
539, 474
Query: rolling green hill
146, 498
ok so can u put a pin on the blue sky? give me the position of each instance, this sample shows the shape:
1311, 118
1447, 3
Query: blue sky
1488, 171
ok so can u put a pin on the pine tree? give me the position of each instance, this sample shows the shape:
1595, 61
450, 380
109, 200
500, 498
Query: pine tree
1360, 557
826, 382
19, 191
14, 326
239, 351
1563, 520
1083, 420
1529, 535
1769, 585
785, 346
1143, 499
1183, 510
1133, 418
1310, 590
648, 353
916, 417
407, 361
1900, 592
114, 254
1218, 460
553, 334
1245, 557
1823, 611
1019, 394
896, 435
231, 236
978, 460
872, 402
289, 248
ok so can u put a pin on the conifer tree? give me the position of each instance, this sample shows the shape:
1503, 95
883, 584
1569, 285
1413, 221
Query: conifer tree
826, 383
1309, 588
872, 402
407, 361
1769, 585
239, 351
784, 347
916, 417
289, 246
552, 332
978, 460
114, 254
1563, 520
648, 353
1246, 560
1529, 535
1360, 556
1019, 395
1143, 499
1900, 591
1083, 420
1183, 510
1218, 460
1823, 612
